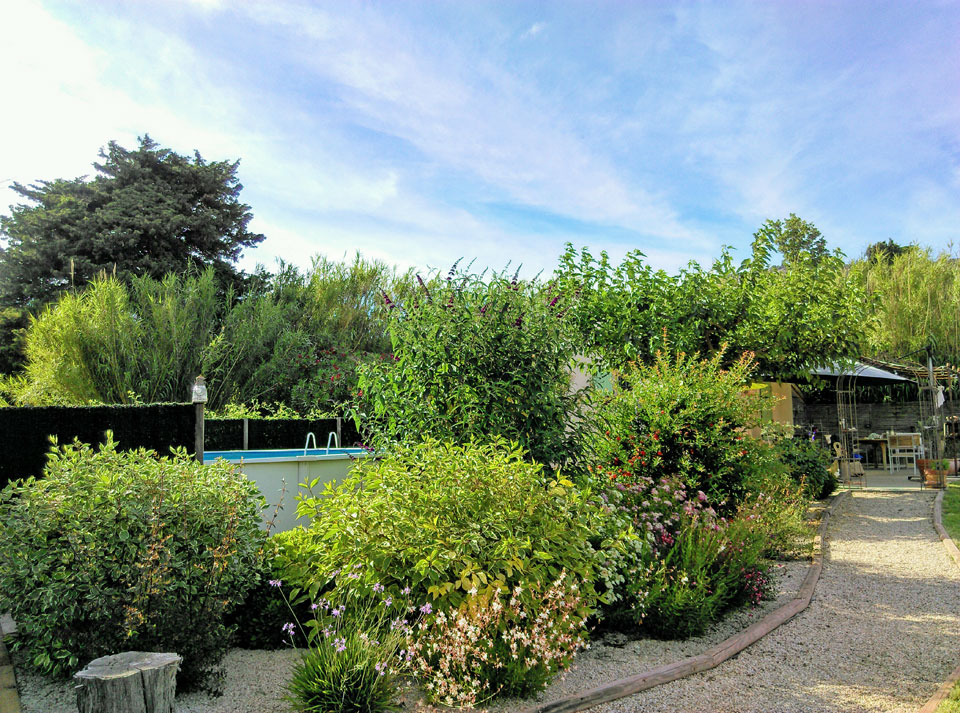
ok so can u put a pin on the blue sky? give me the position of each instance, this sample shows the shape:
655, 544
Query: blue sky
420, 132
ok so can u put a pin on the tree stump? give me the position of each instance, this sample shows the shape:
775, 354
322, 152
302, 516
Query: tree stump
131, 682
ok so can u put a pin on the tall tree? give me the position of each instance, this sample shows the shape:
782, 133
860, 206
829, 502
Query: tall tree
147, 212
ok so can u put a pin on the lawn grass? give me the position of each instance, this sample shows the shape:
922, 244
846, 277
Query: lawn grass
951, 523
951, 704
951, 511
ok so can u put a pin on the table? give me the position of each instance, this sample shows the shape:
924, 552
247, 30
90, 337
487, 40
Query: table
882, 442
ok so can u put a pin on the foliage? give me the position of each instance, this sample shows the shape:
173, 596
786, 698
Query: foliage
886, 251
713, 565
13, 323
354, 655
147, 341
258, 622
915, 303
445, 520
680, 415
805, 312
147, 212
114, 551
776, 507
114, 344
495, 645
807, 464
640, 523
476, 358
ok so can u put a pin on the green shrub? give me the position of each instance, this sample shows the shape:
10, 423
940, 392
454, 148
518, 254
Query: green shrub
640, 523
476, 358
115, 551
680, 416
777, 506
258, 622
807, 464
446, 520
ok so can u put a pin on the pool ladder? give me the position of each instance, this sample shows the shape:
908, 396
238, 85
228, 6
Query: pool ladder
332, 437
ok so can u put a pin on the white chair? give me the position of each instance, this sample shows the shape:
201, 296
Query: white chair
903, 449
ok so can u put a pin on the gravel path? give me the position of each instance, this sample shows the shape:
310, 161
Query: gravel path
881, 634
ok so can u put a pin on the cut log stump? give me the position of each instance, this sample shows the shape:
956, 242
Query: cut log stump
131, 682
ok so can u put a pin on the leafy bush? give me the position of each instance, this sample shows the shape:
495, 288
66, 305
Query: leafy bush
493, 645
807, 463
446, 520
475, 358
680, 415
258, 621
113, 551
640, 524
776, 507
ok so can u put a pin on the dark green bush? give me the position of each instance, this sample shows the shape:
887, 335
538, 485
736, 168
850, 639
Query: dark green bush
473, 359
258, 622
807, 464
115, 551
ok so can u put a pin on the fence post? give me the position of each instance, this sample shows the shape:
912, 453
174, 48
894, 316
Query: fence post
198, 395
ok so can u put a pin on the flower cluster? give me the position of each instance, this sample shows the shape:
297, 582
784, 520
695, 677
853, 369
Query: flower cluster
493, 645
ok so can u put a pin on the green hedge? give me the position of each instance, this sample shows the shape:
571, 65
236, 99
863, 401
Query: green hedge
226, 434
25, 432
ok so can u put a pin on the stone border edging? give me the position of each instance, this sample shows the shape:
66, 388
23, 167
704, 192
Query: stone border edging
712, 657
931, 705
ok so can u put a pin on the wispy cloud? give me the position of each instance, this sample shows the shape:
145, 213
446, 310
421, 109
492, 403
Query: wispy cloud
534, 30
394, 127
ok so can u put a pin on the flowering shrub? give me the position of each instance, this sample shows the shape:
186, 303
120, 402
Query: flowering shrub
713, 565
776, 509
477, 357
354, 655
683, 416
640, 525
116, 551
446, 519
496, 646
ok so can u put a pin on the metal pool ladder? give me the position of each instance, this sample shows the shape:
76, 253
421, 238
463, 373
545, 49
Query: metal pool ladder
307, 444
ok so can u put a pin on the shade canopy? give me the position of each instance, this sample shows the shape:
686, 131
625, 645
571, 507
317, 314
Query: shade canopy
865, 374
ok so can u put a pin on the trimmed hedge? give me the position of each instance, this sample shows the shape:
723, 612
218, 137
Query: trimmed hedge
226, 434
25, 432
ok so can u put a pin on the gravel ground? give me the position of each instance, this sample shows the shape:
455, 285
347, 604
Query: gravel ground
881, 634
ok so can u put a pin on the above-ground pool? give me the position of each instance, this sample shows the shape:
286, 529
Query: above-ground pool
281, 475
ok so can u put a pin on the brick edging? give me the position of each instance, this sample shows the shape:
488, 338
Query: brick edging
712, 657
931, 705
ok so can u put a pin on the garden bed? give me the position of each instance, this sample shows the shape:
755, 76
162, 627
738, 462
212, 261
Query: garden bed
255, 680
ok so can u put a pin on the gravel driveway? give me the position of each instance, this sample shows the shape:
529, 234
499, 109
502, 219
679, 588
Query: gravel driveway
881, 634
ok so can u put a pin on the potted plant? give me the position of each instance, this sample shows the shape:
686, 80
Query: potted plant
934, 471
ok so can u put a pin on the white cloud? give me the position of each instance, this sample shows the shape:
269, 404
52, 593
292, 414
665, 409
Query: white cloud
534, 30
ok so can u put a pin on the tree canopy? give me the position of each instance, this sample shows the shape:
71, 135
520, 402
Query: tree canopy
805, 312
146, 213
